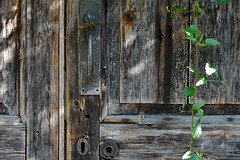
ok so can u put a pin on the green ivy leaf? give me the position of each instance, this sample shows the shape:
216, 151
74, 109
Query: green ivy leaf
189, 91
181, 9
220, 1
201, 150
211, 41
174, 5
199, 10
184, 104
201, 38
210, 69
200, 113
167, 10
191, 69
190, 38
201, 81
197, 130
216, 73
192, 30
173, 16
224, 83
198, 105
194, 157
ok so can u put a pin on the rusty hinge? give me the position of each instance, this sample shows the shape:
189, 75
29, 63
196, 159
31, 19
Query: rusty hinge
90, 50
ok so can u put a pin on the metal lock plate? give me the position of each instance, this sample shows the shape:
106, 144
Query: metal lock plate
90, 50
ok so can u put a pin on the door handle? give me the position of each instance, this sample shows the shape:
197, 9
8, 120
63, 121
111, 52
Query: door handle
89, 52
89, 24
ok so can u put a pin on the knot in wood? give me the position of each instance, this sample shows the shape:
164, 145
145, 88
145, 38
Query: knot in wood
128, 17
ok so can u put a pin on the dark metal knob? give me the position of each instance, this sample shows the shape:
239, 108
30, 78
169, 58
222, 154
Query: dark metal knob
108, 150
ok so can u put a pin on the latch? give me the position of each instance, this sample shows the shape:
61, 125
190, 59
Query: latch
90, 50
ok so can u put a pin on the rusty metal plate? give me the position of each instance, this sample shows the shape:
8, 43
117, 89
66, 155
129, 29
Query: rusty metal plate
89, 47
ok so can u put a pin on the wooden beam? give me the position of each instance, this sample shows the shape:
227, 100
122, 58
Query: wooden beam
167, 137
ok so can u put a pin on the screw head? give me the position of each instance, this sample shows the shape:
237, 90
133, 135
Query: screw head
83, 63
97, 2
97, 38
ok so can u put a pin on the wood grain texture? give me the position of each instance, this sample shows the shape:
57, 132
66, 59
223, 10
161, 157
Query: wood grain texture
82, 112
152, 53
221, 22
62, 81
164, 137
139, 66
9, 47
39, 79
110, 60
12, 138
173, 54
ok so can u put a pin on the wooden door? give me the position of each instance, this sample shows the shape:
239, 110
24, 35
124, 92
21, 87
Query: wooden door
143, 74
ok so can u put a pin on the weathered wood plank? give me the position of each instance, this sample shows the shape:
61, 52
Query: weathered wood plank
1, 59
153, 81
62, 85
9, 120
166, 137
131, 66
82, 112
173, 55
12, 138
9, 46
221, 22
14, 156
112, 57
39, 79
152, 52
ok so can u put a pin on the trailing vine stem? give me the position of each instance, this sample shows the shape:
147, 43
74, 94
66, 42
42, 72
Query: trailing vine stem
193, 36
197, 75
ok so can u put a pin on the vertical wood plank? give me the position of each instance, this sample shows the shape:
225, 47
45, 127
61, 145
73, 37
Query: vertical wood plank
82, 112
62, 81
173, 75
113, 50
149, 29
221, 22
72, 17
39, 69
9, 56
139, 72
1, 58
131, 65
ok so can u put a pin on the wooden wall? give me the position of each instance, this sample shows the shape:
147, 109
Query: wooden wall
32, 74
9, 49
39, 76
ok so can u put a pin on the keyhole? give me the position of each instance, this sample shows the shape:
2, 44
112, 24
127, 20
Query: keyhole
82, 147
